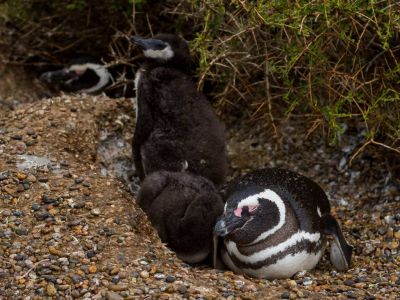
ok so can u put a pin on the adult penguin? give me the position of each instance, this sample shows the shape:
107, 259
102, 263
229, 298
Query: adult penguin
276, 223
89, 75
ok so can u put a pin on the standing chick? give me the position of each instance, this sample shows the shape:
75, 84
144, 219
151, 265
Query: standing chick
176, 127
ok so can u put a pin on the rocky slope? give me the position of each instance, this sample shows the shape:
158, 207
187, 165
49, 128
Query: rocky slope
69, 227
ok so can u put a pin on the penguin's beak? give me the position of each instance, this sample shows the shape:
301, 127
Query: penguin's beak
146, 44
228, 223
57, 76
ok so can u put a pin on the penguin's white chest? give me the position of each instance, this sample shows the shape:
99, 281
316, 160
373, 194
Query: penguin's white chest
284, 267
278, 261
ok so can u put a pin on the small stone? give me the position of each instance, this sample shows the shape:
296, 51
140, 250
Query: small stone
182, 289
76, 294
90, 254
390, 232
292, 284
170, 279
22, 231
79, 180
17, 137
144, 274
397, 235
389, 220
21, 176
117, 287
159, 276
76, 278
349, 282
53, 211
285, 295
92, 269
51, 290
55, 251
47, 200
35, 206
394, 245
31, 179
113, 296
114, 271
115, 279
307, 281
18, 213
43, 179
95, 211
42, 215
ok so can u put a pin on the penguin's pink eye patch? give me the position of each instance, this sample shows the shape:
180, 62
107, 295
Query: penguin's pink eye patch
79, 72
251, 209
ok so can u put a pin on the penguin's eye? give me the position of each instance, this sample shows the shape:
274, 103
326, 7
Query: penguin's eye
245, 210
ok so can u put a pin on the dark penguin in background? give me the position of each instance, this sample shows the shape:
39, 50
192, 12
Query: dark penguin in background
177, 129
275, 224
183, 208
87, 75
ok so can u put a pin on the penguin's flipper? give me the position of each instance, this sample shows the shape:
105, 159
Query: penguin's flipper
341, 251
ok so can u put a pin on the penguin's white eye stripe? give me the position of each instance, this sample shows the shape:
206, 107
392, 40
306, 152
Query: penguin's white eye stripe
267, 195
164, 54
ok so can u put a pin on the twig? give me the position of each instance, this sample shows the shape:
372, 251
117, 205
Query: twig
268, 90
34, 266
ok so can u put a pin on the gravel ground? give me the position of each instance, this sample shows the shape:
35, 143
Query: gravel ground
70, 229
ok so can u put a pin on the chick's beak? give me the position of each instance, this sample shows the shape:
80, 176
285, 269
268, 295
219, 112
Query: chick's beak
57, 76
147, 44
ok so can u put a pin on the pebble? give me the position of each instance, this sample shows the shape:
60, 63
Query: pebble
389, 220
159, 276
56, 252
117, 287
35, 206
22, 231
307, 281
115, 279
95, 211
170, 279
114, 271
182, 289
90, 254
76, 278
92, 269
21, 176
292, 284
285, 295
51, 290
144, 274
110, 295
79, 180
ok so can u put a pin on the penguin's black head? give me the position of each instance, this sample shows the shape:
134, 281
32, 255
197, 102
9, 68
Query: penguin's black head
85, 78
165, 49
250, 215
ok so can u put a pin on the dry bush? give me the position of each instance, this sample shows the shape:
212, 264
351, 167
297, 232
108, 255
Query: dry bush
336, 61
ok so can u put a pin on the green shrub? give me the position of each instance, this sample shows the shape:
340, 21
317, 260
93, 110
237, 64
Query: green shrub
335, 59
